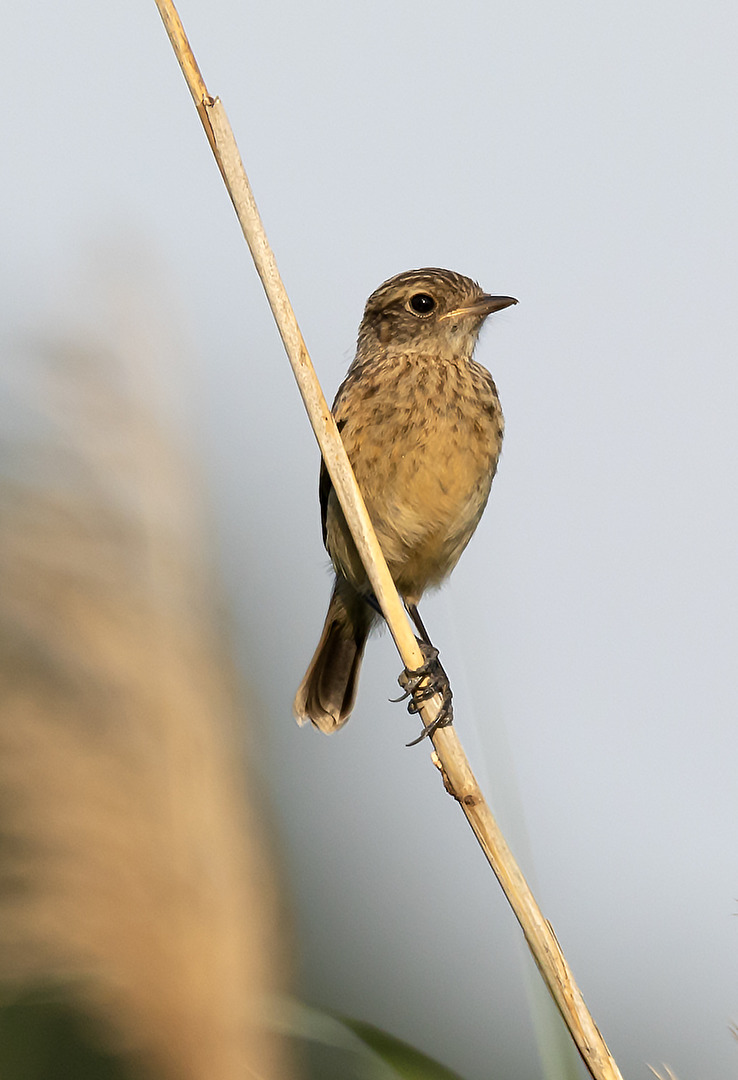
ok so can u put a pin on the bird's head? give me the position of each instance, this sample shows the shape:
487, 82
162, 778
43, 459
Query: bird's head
429, 310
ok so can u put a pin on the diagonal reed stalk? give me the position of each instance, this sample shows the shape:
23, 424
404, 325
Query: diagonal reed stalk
448, 754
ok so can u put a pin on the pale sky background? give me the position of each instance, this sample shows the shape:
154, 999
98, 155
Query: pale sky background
584, 158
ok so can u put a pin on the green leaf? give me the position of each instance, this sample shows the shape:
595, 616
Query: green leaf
407, 1062
367, 1051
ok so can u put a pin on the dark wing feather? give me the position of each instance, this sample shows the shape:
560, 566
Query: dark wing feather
324, 491
325, 487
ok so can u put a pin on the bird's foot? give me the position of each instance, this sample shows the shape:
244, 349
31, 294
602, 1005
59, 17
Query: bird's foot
424, 683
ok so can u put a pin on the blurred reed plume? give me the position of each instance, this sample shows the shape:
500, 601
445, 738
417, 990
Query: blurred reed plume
135, 884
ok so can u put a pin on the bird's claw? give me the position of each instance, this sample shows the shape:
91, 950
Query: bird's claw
411, 682
423, 683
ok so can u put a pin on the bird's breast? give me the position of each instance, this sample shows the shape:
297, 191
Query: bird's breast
423, 438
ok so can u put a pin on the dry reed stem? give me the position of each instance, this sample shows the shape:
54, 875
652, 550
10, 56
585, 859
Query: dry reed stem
667, 1075
449, 755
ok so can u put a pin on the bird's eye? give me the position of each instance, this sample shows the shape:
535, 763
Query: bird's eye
421, 303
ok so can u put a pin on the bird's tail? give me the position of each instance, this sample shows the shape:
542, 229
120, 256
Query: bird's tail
327, 693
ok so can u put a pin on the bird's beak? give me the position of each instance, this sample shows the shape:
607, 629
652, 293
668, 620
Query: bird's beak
481, 307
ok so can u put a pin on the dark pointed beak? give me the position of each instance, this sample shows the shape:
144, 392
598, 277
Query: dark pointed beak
484, 305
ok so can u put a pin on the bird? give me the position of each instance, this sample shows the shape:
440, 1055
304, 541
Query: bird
422, 426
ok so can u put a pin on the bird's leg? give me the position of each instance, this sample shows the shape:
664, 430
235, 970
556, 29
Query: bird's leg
414, 614
426, 681
373, 603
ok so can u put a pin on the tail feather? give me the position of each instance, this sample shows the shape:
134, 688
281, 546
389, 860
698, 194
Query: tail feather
327, 693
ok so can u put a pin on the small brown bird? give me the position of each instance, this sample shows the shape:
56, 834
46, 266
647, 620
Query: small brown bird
422, 426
